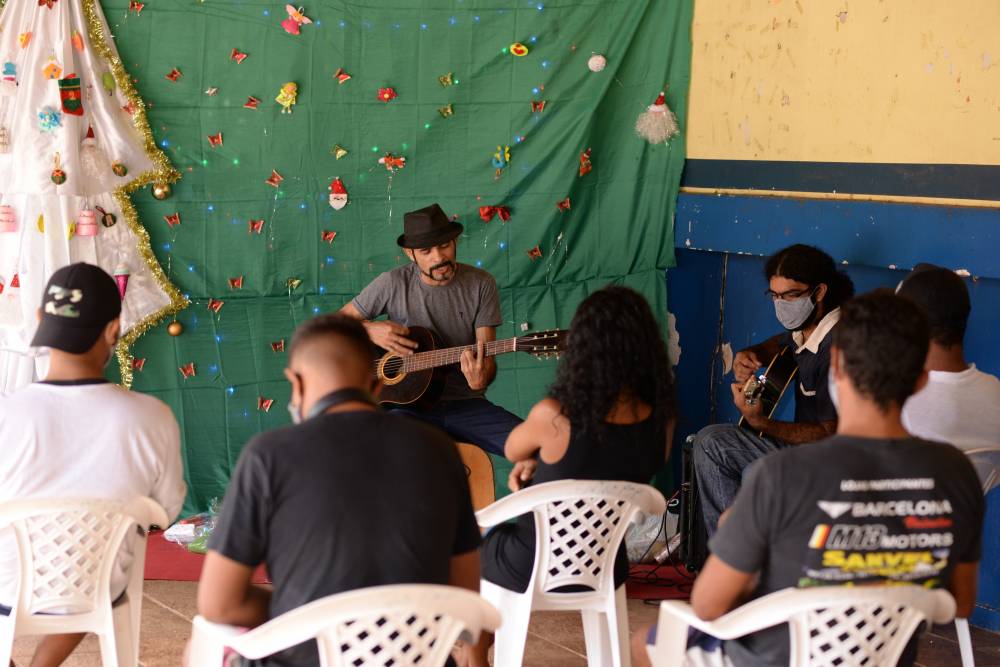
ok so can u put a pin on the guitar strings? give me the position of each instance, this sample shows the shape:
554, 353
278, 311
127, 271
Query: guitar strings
432, 358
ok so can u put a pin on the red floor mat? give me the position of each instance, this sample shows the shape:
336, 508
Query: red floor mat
172, 562
658, 582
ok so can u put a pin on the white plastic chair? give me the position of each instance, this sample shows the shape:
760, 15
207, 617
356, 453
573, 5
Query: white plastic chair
986, 461
828, 625
410, 624
67, 549
579, 526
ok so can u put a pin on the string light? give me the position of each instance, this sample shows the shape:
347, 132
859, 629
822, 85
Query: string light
423, 26
230, 390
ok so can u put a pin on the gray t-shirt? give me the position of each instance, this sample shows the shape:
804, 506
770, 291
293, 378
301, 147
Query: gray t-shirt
453, 311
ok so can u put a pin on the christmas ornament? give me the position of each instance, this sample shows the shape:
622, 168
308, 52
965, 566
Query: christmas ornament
238, 56
187, 370
137, 364
215, 139
46, 3
585, 165
174, 74
215, 305
657, 123
487, 213
69, 95
446, 111
256, 226
341, 76
286, 96
537, 106
251, 103
162, 191
278, 345
93, 161
236, 283
391, 162
274, 179
49, 119
296, 19
108, 83
386, 94
108, 219
23, 39
338, 194
445, 80
40, 224
172, 220
293, 283
135, 6
518, 49
121, 171
15, 282
52, 70
175, 328
212, 92
8, 79
339, 151
58, 176
70, 231
501, 159
129, 108
8, 219
264, 403
326, 235
563, 205
535, 253
597, 62
86, 223
76, 39
121, 278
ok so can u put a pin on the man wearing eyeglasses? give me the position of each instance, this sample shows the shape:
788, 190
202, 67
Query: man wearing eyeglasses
807, 290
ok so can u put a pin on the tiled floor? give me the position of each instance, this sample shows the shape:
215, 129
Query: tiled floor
555, 640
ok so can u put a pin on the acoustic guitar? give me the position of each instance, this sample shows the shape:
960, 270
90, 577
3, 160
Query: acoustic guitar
417, 380
769, 387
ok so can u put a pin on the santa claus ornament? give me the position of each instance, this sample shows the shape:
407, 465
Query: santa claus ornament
657, 123
338, 194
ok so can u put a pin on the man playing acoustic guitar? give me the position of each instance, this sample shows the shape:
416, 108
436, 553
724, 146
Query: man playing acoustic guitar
807, 291
459, 303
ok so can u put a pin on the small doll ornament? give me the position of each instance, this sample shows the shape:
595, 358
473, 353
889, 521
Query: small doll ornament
287, 96
338, 194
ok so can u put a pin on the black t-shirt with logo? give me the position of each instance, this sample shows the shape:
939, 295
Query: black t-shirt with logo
344, 501
849, 511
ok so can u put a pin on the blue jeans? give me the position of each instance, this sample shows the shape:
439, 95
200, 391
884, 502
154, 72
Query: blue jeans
474, 420
722, 455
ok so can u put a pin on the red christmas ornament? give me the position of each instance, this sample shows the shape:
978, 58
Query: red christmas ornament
173, 220
256, 226
215, 305
137, 364
251, 103
328, 236
275, 179
563, 205
236, 283
264, 403
215, 139
386, 94
537, 106
487, 213
187, 370
341, 76
15, 282
174, 74
535, 253
278, 345
585, 165
136, 6
238, 56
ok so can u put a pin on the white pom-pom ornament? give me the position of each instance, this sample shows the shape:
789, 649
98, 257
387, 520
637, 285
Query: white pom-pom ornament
657, 123
597, 62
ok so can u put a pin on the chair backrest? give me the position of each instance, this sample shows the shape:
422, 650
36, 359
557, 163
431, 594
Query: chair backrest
861, 626
412, 624
579, 525
986, 461
67, 548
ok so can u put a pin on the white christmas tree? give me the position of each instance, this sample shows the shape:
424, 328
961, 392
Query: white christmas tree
74, 142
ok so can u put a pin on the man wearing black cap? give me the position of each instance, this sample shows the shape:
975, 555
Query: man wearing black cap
460, 304
76, 435
960, 403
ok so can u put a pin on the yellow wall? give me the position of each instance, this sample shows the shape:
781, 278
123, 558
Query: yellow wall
904, 81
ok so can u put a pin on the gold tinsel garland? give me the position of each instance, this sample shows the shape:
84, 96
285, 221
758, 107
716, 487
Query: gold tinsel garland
163, 173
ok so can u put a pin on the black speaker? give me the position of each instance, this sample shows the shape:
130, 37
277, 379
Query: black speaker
694, 537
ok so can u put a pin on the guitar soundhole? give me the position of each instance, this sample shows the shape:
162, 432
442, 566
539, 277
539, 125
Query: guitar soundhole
391, 370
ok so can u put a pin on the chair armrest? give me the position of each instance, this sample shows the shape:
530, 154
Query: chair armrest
502, 510
209, 641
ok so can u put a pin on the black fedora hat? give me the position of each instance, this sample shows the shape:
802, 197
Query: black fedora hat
427, 227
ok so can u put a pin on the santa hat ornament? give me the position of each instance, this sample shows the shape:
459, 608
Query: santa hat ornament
338, 194
93, 160
657, 123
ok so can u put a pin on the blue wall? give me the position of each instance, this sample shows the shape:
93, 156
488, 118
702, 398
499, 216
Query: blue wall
725, 238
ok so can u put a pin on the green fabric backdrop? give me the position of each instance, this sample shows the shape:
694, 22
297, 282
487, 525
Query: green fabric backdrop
620, 226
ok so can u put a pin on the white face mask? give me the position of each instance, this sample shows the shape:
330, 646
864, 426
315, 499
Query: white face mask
793, 314
295, 413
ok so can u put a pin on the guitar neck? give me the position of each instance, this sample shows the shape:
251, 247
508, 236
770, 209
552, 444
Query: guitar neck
452, 355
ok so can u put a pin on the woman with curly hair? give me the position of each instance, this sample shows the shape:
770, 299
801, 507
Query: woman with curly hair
609, 415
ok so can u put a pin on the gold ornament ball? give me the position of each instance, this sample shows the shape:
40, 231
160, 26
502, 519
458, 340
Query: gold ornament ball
175, 328
162, 191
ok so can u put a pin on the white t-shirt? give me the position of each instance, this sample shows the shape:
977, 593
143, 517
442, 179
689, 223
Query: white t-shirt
86, 440
959, 408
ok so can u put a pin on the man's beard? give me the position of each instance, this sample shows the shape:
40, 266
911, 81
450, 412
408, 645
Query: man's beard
437, 267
